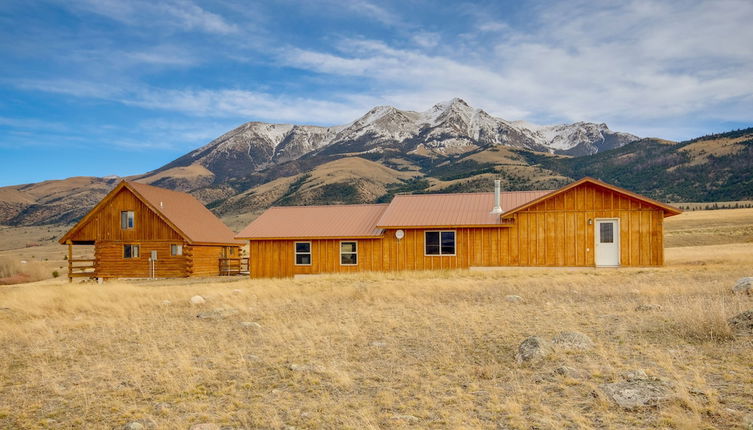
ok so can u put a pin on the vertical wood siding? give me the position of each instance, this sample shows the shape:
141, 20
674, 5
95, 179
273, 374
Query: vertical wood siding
554, 232
105, 223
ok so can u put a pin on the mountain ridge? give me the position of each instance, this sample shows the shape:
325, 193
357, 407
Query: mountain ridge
450, 147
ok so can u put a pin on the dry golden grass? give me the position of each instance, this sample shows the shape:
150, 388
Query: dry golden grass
712, 227
421, 350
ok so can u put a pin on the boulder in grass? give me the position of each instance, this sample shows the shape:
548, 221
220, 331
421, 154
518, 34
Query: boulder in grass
743, 286
142, 424
198, 300
742, 324
513, 298
572, 340
638, 391
533, 350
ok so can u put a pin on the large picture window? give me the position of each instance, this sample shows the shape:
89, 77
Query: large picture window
303, 253
126, 220
439, 242
348, 253
130, 251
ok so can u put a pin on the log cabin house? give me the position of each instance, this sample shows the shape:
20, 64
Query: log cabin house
588, 223
141, 231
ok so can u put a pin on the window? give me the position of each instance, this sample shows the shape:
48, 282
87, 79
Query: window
126, 220
302, 253
606, 232
176, 250
439, 242
130, 251
348, 253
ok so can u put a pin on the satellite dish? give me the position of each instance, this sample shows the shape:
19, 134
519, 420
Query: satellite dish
399, 234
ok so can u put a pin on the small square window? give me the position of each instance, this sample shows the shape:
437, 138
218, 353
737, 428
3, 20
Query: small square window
176, 250
302, 253
130, 251
348, 253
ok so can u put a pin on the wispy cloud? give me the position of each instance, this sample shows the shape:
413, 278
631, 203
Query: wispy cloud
176, 14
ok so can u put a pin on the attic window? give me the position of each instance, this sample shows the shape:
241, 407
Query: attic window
126, 220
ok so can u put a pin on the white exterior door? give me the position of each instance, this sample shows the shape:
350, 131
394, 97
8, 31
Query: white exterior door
607, 242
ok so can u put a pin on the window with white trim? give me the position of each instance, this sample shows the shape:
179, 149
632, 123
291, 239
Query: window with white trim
302, 253
439, 243
176, 250
126, 220
131, 251
348, 253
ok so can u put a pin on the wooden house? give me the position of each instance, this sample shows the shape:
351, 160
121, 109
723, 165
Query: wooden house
141, 231
585, 224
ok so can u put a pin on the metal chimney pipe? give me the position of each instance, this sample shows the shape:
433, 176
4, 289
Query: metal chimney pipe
497, 209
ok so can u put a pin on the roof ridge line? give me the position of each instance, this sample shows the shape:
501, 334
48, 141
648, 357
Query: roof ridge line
329, 206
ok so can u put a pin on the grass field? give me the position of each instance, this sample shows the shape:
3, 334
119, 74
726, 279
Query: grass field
401, 350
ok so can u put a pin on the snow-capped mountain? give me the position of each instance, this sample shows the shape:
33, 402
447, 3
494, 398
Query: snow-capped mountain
446, 128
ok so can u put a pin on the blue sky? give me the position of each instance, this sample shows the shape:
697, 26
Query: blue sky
101, 87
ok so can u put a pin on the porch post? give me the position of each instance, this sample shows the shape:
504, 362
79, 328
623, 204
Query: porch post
70, 263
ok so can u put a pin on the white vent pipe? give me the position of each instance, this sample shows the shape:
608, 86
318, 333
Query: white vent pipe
497, 209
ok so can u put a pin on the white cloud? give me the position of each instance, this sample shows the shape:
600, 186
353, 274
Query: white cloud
628, 61
178, 14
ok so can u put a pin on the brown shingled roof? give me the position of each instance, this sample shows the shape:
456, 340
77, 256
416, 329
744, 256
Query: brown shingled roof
351, 221
197, 223
443, 210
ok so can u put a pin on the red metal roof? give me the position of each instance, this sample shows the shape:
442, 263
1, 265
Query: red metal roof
192, 218
315, 221
417, 210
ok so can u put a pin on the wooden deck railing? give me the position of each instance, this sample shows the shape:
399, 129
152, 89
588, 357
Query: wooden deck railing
82, 268
233, 266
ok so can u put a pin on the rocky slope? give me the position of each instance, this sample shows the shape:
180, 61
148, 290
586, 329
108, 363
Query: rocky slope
447, 128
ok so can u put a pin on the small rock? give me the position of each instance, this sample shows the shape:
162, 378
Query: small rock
141, 424
572, 340
162, 407
236, 291
205, 426
742, 324
533, 349
635, 375
216, 314
198, 300
568, 371
648, 307
378, 344
748, 422
166, 302
251, 357
513, 298
638, 394
250, 324
743, 285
